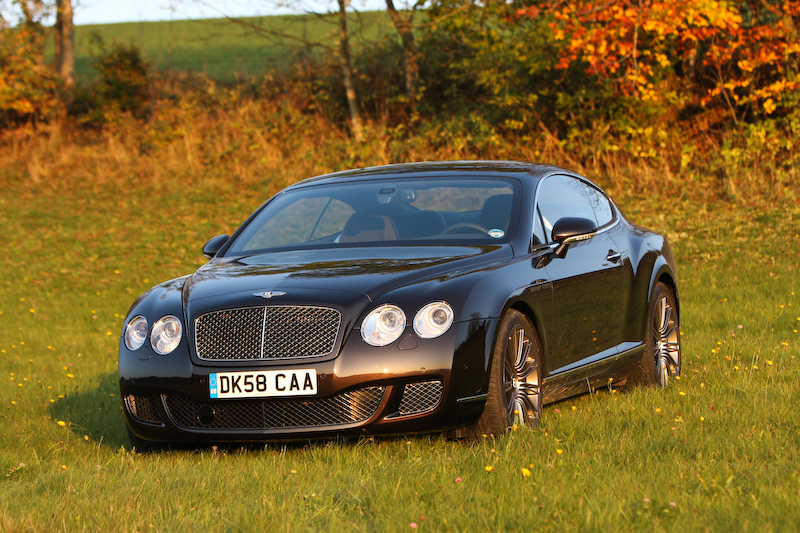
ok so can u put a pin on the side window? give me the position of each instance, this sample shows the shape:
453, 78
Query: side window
538, 229
563, 196
602, 207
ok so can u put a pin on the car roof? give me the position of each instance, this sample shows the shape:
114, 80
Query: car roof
526, 171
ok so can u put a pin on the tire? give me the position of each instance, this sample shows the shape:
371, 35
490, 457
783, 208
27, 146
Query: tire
662, 359
514, 378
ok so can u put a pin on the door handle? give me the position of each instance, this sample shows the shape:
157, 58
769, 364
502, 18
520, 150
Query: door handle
613, 256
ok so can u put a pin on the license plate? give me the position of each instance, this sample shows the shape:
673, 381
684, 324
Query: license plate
263, 383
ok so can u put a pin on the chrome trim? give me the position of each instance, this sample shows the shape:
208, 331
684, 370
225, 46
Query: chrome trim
269, 294
475, 398
264, 310
578, 238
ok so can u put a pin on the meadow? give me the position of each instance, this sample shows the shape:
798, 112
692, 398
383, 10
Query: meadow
222, 49
92, 219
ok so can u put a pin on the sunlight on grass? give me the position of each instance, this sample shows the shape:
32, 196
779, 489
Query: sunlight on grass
717, 450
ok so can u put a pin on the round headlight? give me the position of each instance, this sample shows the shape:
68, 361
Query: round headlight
383, 325
433, 320
166, 334
136, 332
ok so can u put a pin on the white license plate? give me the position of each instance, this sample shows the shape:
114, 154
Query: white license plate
263, 383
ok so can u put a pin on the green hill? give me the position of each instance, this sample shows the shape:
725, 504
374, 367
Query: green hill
223, 49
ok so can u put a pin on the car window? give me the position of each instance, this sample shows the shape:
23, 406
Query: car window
457, 199
292, 224
601, 205
563, 196
438, 211
538, 229
332, 220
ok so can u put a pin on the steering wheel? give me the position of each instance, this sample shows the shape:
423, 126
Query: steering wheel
462, 225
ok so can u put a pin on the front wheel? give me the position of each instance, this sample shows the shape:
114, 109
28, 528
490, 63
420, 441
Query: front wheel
662, 358
515, 397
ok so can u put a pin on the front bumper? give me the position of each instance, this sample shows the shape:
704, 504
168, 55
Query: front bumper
411, 386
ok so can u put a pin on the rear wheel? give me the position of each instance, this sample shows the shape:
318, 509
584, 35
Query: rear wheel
662, 358
515, 378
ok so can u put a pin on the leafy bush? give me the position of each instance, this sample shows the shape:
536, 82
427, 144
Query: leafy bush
122, 87
29, 90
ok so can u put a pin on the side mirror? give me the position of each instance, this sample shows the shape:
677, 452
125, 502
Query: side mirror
212, 247
570, 229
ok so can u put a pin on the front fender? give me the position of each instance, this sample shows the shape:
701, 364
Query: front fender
163, 299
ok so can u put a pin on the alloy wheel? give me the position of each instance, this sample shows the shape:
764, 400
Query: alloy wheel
666, 341
521, 379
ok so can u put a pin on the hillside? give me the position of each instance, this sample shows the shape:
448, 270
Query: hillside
220, 48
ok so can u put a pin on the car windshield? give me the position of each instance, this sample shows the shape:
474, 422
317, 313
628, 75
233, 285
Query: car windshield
385, 213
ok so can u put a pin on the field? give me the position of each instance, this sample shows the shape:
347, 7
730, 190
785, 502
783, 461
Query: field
221, 49
90, 225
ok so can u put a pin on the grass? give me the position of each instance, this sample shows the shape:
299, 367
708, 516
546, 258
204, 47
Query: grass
91, 220
221, 49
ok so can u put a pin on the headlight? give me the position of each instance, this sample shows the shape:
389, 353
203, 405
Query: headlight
383, 325
136, 333
166, 334
433, 320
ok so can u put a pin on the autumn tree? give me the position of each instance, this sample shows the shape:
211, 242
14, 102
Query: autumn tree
64, 38
404, 24
28, 88
336, 43
347, 73
738, 53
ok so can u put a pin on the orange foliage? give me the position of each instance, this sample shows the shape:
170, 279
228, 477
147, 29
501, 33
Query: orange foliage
634, 44
28, 87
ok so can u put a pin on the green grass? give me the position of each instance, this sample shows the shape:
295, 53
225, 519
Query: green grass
718, 450
221, 49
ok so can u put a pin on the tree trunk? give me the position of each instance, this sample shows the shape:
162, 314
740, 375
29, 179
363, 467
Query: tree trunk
65, 41
347, 71
57, 38
405, 27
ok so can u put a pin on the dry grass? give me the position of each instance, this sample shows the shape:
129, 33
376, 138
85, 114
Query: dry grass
203, 132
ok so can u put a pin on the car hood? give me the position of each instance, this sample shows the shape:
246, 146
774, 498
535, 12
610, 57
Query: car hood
366, 271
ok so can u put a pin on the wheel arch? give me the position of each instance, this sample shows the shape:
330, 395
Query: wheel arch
665, 275
523, 307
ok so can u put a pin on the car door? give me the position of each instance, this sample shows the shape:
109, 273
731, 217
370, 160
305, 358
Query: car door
587, 282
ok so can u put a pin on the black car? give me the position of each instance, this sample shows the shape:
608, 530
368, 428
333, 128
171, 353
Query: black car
423, 297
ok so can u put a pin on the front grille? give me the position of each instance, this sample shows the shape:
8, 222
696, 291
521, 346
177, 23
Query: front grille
420, 398
346, 408
275, 332
143, 408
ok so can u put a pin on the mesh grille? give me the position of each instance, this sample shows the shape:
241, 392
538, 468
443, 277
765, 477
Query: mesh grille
420, 397
279, 332
347, 408
142, 407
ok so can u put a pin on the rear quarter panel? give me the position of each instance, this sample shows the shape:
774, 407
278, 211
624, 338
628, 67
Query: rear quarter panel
650, 260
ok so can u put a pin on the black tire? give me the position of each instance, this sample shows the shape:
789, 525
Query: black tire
514, 378
662, 359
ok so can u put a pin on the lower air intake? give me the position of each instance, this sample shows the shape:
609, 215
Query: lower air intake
343, 409
143, 408
419, 398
